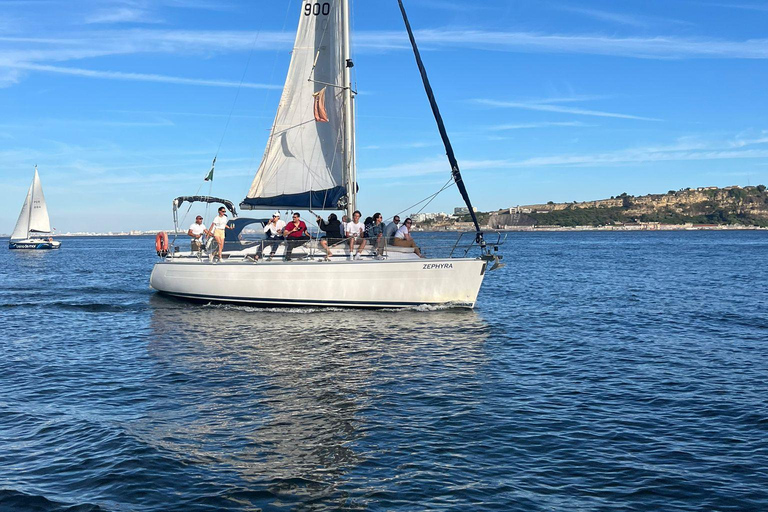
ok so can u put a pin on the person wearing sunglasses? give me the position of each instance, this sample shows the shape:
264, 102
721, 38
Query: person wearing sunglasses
196, 231
296, 235
403, 237
218, 227
391, 229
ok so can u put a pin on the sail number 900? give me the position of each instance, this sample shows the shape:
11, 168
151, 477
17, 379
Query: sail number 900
317, 8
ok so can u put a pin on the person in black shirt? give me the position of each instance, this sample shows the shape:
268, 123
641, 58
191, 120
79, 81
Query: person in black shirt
333, 232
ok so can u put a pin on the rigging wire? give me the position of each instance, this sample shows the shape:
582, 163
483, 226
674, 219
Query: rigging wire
239, 88
450, 183
224, 132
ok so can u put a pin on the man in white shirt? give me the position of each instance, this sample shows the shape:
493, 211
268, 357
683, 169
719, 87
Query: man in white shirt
196, 231
354, 231
274, 231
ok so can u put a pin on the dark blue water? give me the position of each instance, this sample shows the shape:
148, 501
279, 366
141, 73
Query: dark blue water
600, 371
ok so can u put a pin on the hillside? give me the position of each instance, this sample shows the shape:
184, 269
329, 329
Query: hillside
747, 206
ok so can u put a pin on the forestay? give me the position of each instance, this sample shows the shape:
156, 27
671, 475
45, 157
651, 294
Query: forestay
34, 214
304, 164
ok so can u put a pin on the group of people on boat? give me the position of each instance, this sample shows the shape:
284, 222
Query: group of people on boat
357, 234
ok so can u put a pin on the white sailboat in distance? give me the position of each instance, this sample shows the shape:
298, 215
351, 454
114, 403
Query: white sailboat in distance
33, 229
309, 164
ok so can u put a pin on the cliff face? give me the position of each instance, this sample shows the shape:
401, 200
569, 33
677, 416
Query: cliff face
709, 205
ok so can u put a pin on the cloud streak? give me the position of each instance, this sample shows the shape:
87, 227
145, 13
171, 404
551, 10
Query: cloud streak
548, 106
191, 42
525, 126
142, 77
633, 20
685, 149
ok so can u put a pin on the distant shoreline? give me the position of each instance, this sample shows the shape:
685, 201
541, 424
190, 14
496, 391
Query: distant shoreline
527, 229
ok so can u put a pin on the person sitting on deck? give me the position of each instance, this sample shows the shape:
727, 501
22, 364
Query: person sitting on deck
296, 235
391, 229
375, 234
196, 231
333, 233
274, 232
403, 237
355, 230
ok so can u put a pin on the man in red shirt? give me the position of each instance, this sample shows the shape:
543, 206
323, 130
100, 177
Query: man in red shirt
296, 235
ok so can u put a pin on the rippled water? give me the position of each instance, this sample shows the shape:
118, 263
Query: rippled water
600, 371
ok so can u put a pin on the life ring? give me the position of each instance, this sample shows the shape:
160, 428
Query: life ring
161, 244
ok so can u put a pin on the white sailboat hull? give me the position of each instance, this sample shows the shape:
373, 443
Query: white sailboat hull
373, 283
34, 244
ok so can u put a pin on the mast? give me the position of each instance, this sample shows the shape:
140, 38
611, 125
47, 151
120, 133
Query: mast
441, 127
31, 202
349, 117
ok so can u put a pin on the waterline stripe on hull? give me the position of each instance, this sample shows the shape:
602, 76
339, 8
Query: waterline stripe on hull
305, 302
33, 246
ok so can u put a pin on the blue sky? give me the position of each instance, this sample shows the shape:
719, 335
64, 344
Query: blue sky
123, 104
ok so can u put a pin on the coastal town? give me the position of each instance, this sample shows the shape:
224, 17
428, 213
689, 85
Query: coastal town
702, 208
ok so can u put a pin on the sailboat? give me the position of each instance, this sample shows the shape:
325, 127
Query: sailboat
309, 164
33, 229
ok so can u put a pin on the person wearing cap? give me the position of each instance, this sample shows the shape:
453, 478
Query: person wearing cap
196, 231
274, 231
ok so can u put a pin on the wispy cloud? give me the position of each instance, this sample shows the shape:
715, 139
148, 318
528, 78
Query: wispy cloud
143, 77
404, 145
9, 77
684, 149
525, 126
446, 5
190, 114
122, 15
435, 165
197, 42
657, 47
634, 20
746, 7
547, 105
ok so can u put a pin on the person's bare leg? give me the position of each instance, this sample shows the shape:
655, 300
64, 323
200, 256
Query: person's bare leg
221, 246
324, 244
361, 246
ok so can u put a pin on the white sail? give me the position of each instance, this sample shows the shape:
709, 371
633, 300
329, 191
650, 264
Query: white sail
39, 222
304, 165
34, 214
21, 231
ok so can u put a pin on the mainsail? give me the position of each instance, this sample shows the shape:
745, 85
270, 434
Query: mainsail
34, 214
307, 162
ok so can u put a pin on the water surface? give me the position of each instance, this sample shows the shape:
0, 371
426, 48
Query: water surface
600, 371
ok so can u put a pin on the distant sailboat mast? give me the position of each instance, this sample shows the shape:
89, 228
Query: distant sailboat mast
31, 203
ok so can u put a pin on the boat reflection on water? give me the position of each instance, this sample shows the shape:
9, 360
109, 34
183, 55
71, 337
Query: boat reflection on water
295, 399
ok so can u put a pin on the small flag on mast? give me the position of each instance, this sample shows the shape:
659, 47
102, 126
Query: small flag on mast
209, 176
